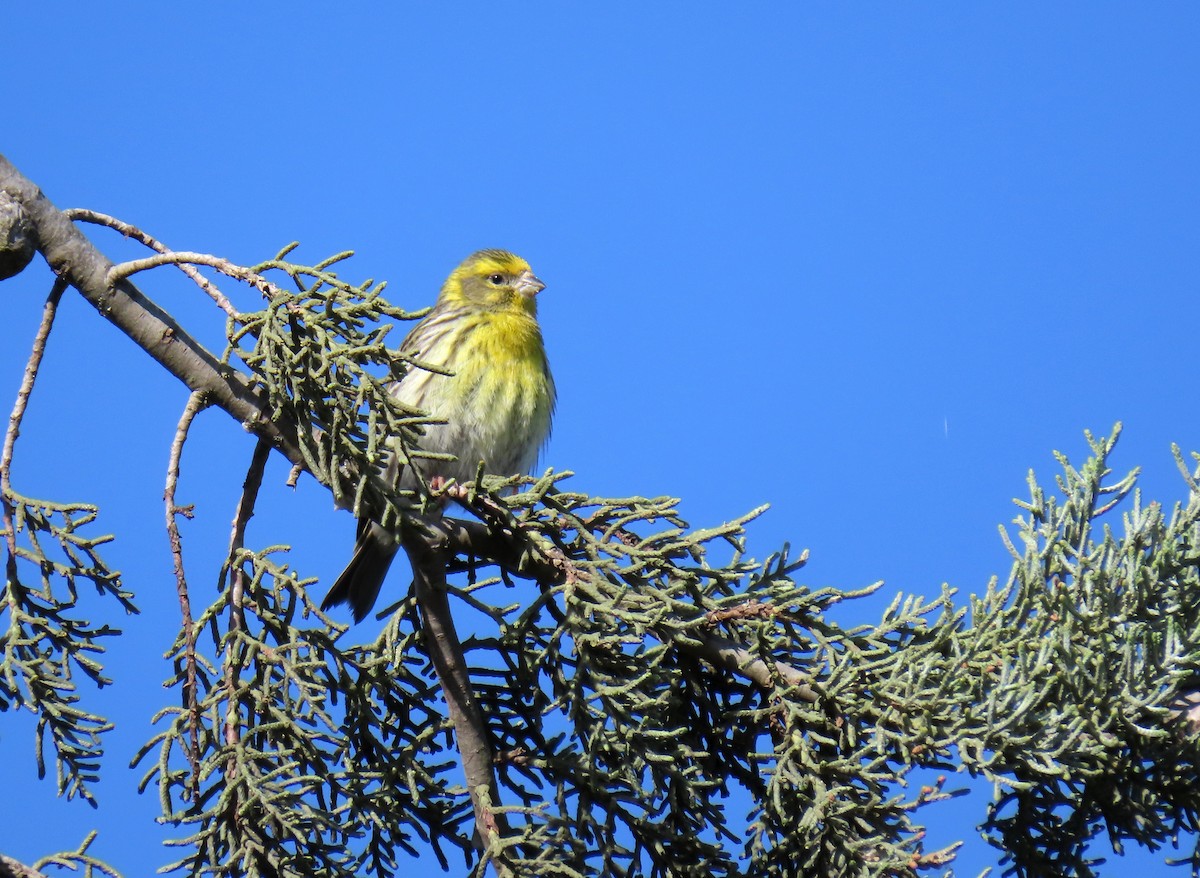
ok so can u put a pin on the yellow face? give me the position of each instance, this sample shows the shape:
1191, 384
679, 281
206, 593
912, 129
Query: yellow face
493, 279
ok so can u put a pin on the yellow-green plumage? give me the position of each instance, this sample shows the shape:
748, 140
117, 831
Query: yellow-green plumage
497, 404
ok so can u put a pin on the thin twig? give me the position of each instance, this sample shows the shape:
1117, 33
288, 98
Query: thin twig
27, 382
17, 415
195, 405
132, 231
123, 270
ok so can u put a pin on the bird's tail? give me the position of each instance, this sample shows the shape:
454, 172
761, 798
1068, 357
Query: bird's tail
360, 582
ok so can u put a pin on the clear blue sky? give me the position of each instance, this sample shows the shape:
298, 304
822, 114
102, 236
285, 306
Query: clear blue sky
869, 263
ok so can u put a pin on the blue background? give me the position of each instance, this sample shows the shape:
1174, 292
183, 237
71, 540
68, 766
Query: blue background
868, 263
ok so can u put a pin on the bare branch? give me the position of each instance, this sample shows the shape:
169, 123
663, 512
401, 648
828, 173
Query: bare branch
132, 231
17, 415
250, 487
195, 404
125, 269
27, 382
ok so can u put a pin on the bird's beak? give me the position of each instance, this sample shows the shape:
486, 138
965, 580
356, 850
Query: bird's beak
528, 284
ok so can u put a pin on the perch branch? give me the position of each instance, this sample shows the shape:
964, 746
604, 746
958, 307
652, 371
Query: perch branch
449, 661
524, 557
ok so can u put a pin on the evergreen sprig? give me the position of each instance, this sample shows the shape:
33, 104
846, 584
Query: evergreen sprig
46, 644
1092, 649
320, 354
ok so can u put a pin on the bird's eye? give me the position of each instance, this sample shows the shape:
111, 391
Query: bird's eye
497, 279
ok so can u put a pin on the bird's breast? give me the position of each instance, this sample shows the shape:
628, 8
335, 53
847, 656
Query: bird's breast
498, 403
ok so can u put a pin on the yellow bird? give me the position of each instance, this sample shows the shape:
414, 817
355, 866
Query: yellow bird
497, 405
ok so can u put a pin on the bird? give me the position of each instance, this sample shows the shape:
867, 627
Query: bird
495, 406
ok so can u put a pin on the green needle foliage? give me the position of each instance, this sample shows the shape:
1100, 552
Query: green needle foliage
45, 643
1091, 650
637, 678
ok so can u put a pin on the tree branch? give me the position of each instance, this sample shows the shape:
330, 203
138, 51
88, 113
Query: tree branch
16, 240
515, 551
10, 868
449, 661
72, 257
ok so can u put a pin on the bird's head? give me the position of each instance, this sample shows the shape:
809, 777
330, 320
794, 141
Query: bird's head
494, 279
